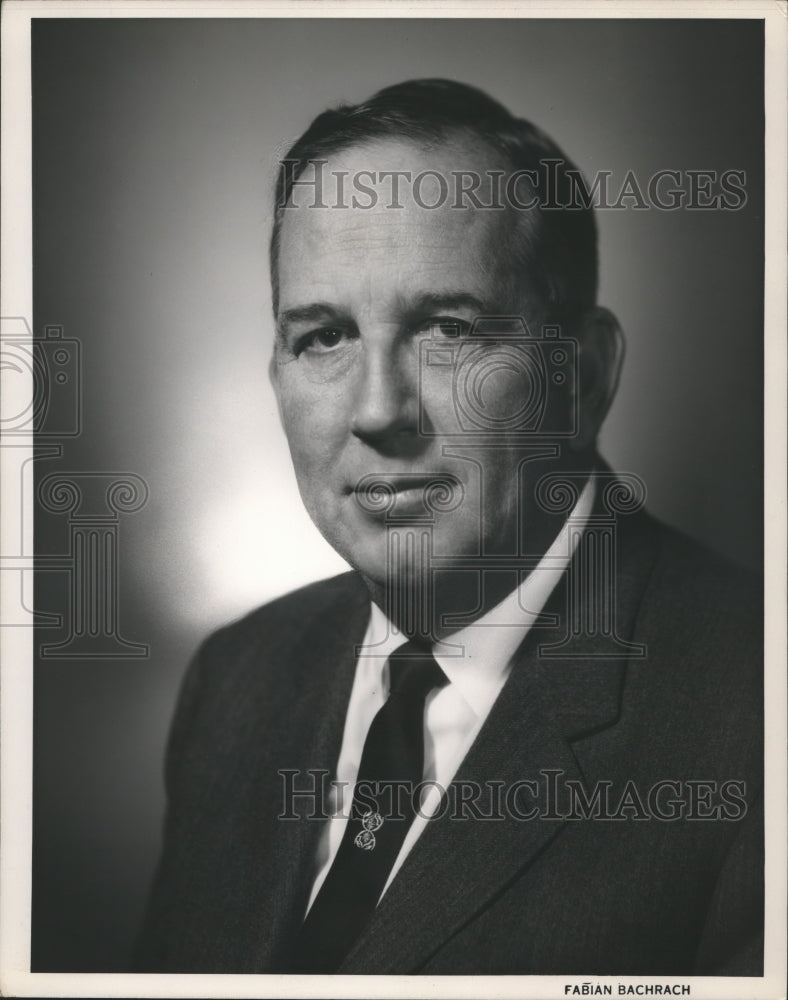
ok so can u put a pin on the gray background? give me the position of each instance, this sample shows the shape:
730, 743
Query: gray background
155, 145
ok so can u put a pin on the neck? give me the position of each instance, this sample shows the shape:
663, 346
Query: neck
427, 609
430, 604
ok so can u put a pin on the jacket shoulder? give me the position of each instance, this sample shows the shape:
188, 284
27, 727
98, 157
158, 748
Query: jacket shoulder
286, 617
699, 583
701, 623
246, 662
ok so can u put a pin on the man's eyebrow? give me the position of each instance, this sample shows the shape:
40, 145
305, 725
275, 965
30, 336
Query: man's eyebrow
421, 305
312, 313
430, 302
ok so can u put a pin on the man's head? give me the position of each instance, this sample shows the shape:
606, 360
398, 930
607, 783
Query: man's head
370, 281
555, 250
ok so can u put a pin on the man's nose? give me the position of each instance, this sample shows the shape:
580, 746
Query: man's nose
385, 410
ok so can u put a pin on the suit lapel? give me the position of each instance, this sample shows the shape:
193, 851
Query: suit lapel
306, 735
548, 718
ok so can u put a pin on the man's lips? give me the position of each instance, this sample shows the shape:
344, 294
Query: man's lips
395, 481
384, 493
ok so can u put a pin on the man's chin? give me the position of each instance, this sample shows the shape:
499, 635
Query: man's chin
363, 546
382, 552
385, 562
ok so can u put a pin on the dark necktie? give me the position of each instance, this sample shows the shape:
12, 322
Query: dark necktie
380, 816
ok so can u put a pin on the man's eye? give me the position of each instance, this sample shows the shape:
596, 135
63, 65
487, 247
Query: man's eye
322, 341
448, 327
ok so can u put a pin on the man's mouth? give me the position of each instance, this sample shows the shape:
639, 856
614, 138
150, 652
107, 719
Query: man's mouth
404, 494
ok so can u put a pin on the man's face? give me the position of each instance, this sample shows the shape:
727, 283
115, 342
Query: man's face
360, 290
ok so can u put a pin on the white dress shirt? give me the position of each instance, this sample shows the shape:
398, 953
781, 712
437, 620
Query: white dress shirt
477, 660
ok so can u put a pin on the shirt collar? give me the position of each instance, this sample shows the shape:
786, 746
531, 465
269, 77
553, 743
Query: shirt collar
477, 659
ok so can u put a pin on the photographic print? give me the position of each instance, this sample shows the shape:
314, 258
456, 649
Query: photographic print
392, 403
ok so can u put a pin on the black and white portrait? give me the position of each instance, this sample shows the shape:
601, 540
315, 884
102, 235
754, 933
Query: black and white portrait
398, 497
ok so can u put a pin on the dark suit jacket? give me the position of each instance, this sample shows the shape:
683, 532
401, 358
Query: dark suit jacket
543, 896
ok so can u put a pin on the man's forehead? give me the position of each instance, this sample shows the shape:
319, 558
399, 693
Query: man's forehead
390, 208
402, 173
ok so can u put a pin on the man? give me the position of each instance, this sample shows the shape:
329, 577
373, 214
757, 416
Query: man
523, 735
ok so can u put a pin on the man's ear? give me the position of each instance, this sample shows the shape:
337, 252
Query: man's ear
601, 356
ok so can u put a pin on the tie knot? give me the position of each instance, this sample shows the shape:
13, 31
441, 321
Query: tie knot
414, 672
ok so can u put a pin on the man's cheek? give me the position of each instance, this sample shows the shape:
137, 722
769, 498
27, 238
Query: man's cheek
309, 464
474, 391
437, 413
